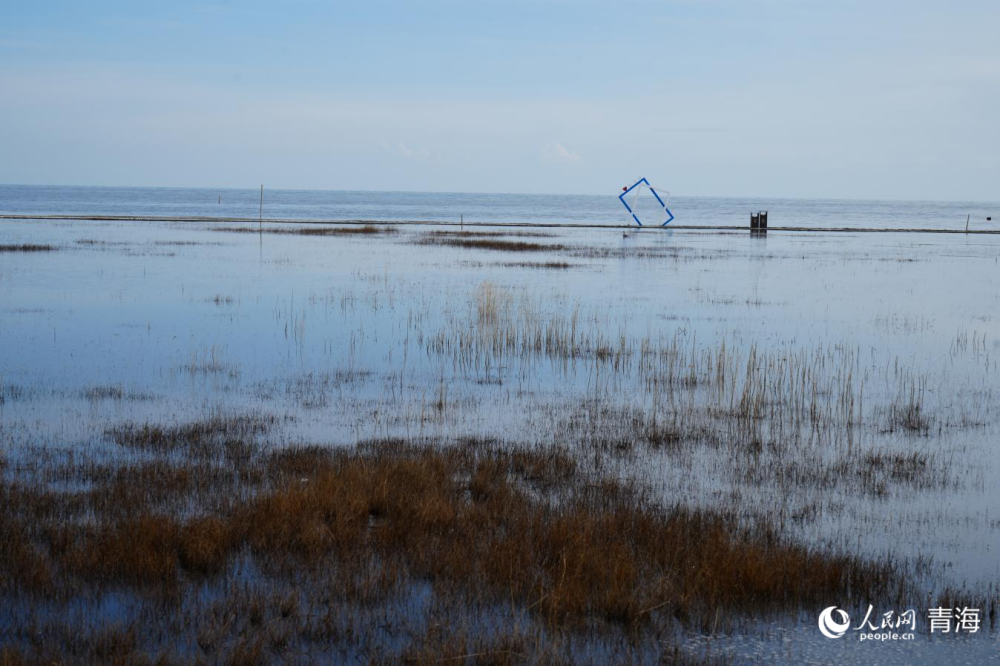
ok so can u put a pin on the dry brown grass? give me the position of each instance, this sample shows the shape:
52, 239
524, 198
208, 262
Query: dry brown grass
334, 534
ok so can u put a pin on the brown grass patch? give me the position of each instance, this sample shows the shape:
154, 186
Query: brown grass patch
476, 519
491, 244
365, 230
479, 524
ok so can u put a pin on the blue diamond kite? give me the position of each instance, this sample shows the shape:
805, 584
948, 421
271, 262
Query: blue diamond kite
642, 182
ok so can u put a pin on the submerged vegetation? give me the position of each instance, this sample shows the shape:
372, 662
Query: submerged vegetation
27, 247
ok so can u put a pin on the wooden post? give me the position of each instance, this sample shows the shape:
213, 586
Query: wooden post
260, 212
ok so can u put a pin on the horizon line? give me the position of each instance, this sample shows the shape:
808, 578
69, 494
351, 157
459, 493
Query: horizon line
673, 194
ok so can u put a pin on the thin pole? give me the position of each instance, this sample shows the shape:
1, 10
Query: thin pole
967, 222
260, 213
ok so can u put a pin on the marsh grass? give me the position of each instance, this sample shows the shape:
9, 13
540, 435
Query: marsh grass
479, 243
906, 413
27, 247
200, 438
986, 599
12, 392
95, 242
110, 392
365, 230
486, 234
210, 362
115, 393
912, 468
554, 265
786, 386
782, 417
576, 559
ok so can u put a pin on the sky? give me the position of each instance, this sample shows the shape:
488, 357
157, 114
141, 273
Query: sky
774, 98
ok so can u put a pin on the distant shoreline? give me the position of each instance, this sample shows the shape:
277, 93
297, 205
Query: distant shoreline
560, 225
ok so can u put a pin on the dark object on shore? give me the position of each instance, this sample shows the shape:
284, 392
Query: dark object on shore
758, 222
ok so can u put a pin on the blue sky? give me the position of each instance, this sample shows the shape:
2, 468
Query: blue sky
775, 98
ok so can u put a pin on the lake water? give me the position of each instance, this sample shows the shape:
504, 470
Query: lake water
494, 208
344, 338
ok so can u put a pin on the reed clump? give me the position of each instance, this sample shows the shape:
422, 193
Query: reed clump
909, 417
907, 413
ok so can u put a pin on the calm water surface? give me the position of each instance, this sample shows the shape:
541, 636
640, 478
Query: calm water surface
450, 207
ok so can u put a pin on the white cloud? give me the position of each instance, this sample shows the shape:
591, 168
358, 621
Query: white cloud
556, 152
421, 154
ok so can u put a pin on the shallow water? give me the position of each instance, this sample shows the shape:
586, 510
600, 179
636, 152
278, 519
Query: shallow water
353, 337
452, 207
